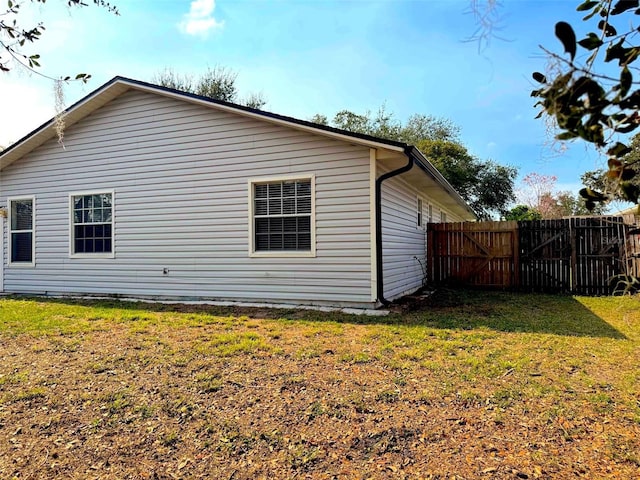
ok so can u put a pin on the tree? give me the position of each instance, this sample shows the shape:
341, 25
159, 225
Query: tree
522, 212
217, 82
487, 186
539, 195
538, 191
592, 94
14, 36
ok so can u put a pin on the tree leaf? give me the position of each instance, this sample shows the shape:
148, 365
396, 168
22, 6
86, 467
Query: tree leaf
622, 6
566, 136
627, 174
592, 195
538, 77
626, 79
588, 5
607, 28
630, 191
618, 150
614, 51
567, 36
591, 42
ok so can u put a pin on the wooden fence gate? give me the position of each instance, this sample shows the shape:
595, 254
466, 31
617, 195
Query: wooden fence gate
545, 256
578, 255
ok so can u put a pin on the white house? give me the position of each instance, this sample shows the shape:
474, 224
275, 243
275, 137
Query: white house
159, 193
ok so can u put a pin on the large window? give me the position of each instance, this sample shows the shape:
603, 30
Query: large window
92, 223
21, 238
283, 216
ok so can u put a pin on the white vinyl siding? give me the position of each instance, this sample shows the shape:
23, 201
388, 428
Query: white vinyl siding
404, 247
180, 173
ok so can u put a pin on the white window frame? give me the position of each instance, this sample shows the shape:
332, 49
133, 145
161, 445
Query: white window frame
111, 254
430, 213
281, 253
32, 263
443, 216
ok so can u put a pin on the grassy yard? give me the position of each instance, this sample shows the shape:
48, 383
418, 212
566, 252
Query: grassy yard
467, 385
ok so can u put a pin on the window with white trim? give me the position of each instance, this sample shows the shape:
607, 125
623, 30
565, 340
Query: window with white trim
443, 217
21, 238
419, 221
430, 213
92, 223
282, 216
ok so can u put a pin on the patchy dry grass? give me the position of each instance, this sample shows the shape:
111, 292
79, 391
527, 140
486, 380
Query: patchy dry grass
478, 385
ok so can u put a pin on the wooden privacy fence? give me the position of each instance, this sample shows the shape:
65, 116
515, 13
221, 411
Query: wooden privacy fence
578, 255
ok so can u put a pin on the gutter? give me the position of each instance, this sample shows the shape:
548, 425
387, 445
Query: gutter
378, 200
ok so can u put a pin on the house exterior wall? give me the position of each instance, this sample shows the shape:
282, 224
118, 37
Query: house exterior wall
180, 173
404, 243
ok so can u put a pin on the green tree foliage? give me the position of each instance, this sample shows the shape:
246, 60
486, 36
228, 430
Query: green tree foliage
522, 212
487, 186
15, 36
592, 94
602, 180
217, 82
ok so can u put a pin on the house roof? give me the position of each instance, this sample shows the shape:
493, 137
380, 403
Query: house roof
119, 85
634, 210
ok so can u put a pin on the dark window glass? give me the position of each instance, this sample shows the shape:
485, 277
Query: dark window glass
21, 228
21, 214
92, 230
21, 247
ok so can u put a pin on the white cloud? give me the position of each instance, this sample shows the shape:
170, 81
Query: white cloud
200, 20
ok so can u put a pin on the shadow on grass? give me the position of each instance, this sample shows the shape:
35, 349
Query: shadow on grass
514, 312
445, 309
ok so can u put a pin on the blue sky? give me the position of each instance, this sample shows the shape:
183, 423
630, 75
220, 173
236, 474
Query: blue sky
320, 56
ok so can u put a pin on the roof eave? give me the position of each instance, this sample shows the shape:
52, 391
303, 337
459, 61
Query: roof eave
76, 112
428, 167
118, 85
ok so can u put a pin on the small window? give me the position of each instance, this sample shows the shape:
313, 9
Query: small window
430, 210
21, 238
282, 216
419, 213
92, 224
443, 217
